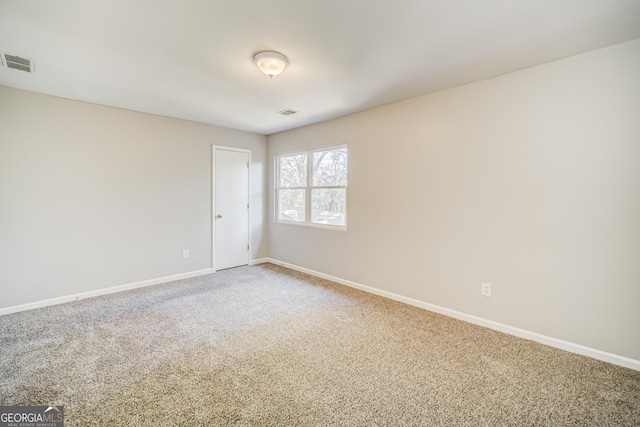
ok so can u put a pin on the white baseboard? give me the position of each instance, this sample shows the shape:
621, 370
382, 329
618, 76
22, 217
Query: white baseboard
259, 261
105, 291
543, 339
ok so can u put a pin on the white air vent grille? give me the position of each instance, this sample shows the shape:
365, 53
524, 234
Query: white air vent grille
17, 63
287, 112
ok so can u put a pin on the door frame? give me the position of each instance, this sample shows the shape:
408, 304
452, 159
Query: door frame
213, 200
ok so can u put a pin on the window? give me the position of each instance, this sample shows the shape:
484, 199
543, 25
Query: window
311, 187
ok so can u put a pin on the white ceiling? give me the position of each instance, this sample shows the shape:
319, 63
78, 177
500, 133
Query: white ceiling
191, 59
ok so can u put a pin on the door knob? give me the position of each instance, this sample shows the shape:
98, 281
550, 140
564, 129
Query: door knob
218, 216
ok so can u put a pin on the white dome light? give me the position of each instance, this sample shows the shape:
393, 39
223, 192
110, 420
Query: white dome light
270, 63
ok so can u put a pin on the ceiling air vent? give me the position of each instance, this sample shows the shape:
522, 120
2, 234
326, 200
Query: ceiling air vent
287, 112
17, 62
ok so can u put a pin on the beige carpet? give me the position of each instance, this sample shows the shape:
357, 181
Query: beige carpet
265, 346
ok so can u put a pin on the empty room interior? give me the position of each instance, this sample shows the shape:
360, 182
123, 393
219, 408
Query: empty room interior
417, 212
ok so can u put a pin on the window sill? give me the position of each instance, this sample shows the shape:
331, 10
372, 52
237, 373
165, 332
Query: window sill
312, 225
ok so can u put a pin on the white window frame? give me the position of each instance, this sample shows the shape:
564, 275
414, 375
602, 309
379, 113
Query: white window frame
307, 196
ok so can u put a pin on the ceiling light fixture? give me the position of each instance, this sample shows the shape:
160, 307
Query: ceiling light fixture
270, 63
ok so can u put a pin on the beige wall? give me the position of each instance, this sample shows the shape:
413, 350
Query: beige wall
529, 181
93, 197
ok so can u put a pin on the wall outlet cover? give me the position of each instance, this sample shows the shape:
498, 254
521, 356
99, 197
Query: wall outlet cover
486, 289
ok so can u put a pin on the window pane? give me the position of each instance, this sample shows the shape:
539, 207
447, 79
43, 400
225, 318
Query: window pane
293, 171
330, 168
328, 206
291, 205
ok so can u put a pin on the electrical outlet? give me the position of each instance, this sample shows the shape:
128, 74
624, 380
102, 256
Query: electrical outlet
185, 253
486, 289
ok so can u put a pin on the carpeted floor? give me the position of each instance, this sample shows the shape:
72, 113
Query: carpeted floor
266, 346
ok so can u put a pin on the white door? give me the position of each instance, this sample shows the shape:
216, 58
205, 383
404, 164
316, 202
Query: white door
230, 207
